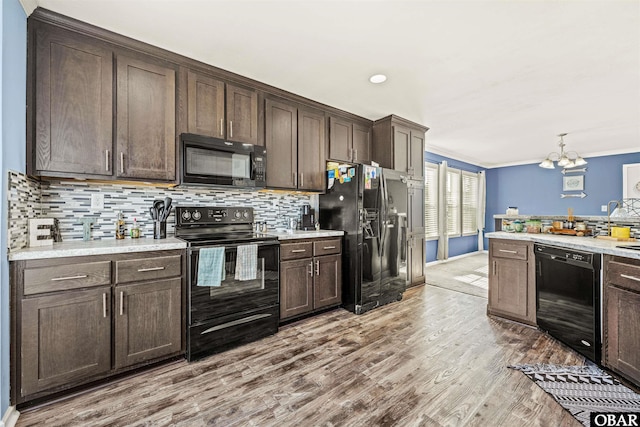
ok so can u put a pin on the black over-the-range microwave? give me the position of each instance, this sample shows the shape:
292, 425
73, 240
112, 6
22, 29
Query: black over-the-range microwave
212, 161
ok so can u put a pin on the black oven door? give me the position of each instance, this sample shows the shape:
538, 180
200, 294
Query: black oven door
235, 296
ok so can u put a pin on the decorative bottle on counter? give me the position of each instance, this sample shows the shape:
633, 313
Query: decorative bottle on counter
135, 230
120, 226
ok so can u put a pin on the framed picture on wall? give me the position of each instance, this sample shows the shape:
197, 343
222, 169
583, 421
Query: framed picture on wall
573, 183
631, 181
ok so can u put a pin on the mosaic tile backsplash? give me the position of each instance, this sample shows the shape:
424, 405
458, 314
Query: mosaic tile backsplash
70, 202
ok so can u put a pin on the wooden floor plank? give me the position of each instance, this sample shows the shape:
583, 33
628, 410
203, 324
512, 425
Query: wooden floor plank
433, 359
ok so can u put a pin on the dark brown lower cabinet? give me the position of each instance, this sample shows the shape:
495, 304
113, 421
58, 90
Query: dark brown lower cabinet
512, 287
309, 283
79, 320
65, 337
145, 321
621, 320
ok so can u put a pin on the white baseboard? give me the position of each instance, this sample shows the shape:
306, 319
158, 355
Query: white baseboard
10, 417
456, 257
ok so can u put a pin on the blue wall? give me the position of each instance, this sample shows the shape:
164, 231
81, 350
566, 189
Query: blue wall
13, 73
536, 191
457, 245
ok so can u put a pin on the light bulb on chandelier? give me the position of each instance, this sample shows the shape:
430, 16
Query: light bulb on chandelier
565, 159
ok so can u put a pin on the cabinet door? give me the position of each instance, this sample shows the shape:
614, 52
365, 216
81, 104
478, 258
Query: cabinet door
296, 287
340, 139
74, 110
147, 321
281, 141
242, 115
416, 206
401, 143
205, 105
327, 286
508, 279
416, 259
146, 116
622, 332
416, 155
311, 150
65, 338
361, 143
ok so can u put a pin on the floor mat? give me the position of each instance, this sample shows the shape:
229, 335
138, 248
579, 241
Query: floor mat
582, 389
467, 274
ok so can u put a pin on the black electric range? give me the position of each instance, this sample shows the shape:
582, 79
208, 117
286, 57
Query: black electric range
233, 294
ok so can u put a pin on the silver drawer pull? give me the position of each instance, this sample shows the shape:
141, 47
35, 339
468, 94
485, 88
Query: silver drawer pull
317, 267
142, 270
630, 277
329, 247
296, 251
58, 279
507, 251
121, 303
104, 305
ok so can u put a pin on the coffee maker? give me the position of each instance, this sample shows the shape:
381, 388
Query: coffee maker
308, 218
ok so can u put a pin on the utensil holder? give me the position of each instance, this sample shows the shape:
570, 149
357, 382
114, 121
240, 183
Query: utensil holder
159, 229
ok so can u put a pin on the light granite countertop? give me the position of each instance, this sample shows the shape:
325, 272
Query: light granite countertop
96, 247
300, 234
587, 243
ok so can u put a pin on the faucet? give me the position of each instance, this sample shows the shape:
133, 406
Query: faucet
617, 202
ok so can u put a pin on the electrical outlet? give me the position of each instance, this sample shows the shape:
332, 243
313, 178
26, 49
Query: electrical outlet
603, 208
97, 201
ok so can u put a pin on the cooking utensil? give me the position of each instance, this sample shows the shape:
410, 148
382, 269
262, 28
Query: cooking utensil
167, 208
154, 213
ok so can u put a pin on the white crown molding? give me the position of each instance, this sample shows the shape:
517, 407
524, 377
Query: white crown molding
29, 6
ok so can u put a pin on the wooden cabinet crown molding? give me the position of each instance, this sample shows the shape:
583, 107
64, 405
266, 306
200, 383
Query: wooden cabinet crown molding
401, 121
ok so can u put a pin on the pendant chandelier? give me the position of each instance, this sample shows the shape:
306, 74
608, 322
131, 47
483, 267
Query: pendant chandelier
565, 159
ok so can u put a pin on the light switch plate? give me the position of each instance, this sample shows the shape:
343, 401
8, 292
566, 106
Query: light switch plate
603, 208
97, 201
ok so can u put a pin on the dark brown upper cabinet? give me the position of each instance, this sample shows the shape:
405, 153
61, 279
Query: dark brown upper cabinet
242, 114
295, 142
73, 105
399, 144
348, 141
145, 120
205, 105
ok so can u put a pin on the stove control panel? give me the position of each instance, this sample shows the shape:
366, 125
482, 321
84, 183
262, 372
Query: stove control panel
213, 215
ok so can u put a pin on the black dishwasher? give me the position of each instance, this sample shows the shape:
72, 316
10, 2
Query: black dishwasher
568, 297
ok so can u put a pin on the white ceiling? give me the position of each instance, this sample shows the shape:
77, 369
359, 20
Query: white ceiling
496, 81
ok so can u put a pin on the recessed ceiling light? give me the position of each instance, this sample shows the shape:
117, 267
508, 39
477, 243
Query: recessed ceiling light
377, 78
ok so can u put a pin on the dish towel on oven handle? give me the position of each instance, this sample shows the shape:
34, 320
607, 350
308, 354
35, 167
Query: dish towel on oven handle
247, 262
211, 266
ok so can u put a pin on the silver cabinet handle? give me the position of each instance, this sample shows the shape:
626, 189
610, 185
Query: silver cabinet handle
494, 268
106, 160
508, 252
329, 247
221, 127
301, 179
310, 270
317, 267
636, 279
295, 179
142, 270
58, 279
350, 153
355, 155
104, 305
231, 128
297, 251
121, 162
121, 303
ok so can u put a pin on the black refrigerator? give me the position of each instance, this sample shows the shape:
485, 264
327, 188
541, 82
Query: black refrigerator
370, 205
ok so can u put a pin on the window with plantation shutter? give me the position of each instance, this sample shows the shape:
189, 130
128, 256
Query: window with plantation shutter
453, 197
469, 203
431, 200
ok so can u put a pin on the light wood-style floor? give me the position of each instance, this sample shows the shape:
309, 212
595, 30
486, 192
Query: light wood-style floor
433, 359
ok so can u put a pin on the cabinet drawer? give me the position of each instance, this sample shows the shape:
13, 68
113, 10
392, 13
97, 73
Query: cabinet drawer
327, 247
509, 250
138, 270
623, 275
67, 276
296, 250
